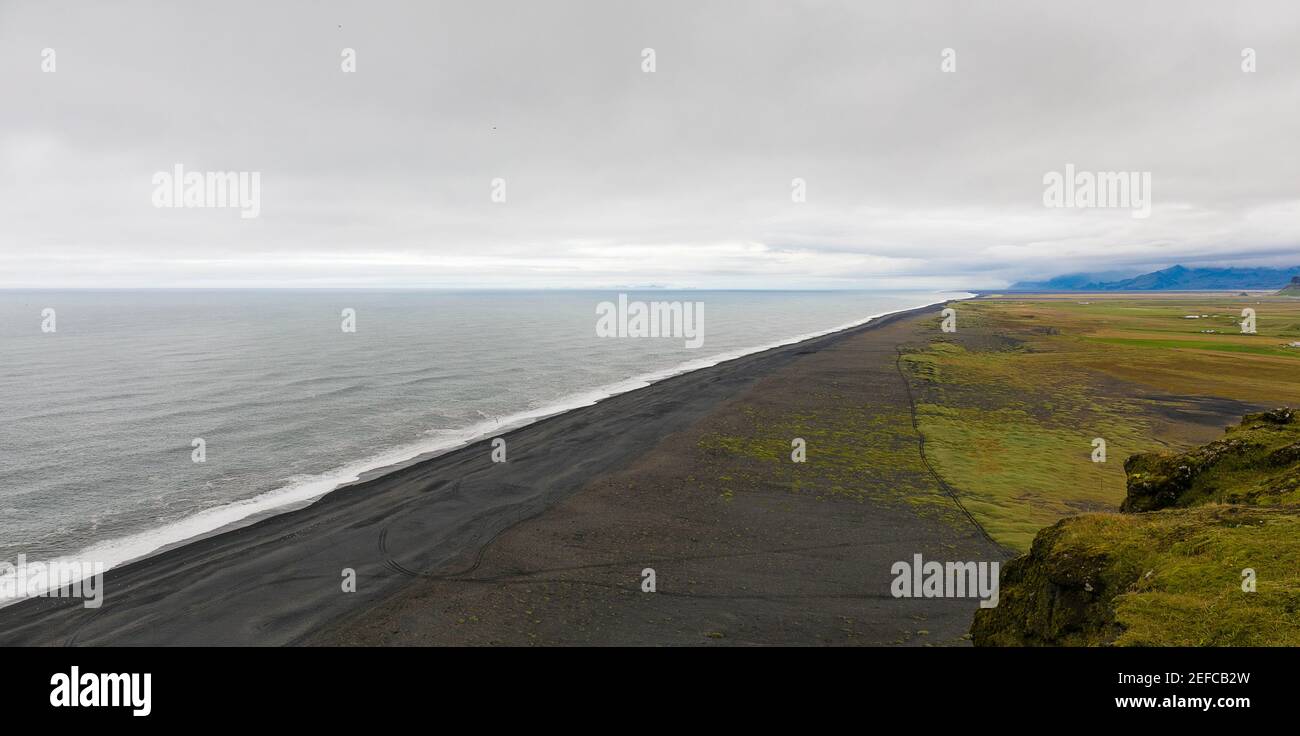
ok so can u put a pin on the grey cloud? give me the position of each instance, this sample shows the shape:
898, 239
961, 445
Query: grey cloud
915, 177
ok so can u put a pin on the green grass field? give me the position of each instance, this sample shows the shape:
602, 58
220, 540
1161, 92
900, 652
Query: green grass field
1011, 403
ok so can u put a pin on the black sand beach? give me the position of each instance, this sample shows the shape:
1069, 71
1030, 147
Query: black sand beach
549, 546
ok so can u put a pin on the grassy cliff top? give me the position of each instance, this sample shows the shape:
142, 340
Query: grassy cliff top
1257, 462
1167, 578
1208, 554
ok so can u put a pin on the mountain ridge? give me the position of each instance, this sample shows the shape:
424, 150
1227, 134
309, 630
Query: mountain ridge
1174, 278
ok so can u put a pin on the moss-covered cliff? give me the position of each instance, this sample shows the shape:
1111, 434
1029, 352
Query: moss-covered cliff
1177, 567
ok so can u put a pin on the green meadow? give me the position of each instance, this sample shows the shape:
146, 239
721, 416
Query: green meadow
1012, 403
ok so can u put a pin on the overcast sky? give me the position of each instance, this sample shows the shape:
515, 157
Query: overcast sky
614, 176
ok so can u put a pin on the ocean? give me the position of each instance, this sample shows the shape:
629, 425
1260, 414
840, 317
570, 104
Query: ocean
103, 400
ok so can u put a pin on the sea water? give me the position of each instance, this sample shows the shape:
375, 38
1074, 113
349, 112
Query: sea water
108, 398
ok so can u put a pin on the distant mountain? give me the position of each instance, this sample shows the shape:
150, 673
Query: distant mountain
1291, 289
1071, 281
1175, 278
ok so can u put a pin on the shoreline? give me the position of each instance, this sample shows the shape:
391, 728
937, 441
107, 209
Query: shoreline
294, 495
745, 544
465, 527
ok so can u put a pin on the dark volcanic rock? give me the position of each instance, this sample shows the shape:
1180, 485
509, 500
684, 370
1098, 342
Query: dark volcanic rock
1165, 480
1284, 415
1053, 596
1160, 480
